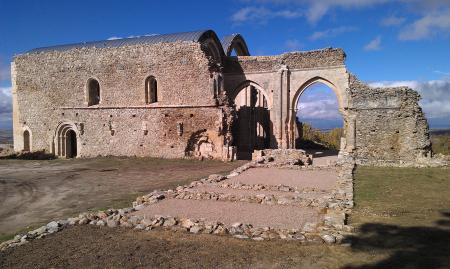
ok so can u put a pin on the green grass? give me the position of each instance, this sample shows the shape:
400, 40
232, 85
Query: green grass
401, 196
404, 214
441, 143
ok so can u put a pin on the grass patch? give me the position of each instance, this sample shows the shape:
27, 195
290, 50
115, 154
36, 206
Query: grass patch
403, 213
401, 196
440, 143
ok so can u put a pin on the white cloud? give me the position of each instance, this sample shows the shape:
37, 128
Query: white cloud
113, 38
375, 44
314, 10
323, 109
433, 19
5, 104
427, 26
293, 44
131, 36
261, 14
442, 73
392, 21
435, 95
318, 9
333, 32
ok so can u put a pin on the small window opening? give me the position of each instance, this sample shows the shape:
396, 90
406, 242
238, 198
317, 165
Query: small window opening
26, 141
93, 92
151, 90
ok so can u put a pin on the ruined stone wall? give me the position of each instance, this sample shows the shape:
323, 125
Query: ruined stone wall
294, 60
50, 88
390, 127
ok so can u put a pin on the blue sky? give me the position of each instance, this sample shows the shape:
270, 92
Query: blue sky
387, 41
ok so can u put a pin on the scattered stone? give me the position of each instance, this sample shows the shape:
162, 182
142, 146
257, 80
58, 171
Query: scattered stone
83, 221
195, 229
139, 227
169, 222
112, 223
186, 223
240, 236
329, 239
139, 207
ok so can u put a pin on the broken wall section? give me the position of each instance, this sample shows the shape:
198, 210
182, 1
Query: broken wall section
390, 127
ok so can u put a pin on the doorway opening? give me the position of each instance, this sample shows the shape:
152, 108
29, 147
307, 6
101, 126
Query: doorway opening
252, 127
71, 144
318, 120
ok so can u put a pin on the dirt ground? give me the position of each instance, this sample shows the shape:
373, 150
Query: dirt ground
35, 192
402, 215
94, 247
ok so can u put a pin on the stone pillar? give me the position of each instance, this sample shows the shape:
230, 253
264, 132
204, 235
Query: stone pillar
351, 132
282, 107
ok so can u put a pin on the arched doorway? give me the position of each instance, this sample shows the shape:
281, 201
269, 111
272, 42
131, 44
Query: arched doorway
66, 142
71, 144
318, 120
26, 141
252, 127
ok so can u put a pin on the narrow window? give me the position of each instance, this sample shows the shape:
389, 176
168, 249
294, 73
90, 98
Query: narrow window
26, 141
93, 92
151, 90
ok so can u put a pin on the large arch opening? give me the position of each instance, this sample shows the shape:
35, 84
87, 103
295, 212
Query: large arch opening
26, 141
252, 126
317, 121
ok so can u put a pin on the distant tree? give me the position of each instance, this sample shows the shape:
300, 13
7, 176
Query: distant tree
315, 138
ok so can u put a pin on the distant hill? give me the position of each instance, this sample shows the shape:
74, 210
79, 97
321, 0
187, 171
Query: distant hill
440, 132
6, 137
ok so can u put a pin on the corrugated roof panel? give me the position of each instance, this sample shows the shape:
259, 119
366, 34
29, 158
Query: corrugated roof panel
152, 39
227, 42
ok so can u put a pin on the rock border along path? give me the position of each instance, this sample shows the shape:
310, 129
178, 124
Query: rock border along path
335, 205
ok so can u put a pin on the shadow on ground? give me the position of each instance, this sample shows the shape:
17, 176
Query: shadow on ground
409, 247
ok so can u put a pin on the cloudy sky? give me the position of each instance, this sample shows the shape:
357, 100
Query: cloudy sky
388, 42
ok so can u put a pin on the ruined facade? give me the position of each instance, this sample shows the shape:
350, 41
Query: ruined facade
186, 95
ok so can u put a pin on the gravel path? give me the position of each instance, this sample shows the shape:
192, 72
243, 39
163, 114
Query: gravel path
230, 212
253, 192
319, 179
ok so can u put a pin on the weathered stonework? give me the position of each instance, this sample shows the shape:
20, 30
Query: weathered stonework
390, 125
209, 104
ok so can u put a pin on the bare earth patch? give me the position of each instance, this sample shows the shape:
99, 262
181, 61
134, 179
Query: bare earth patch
417, 238
35, 192
318, 179
243, 211
95, 247
231, 212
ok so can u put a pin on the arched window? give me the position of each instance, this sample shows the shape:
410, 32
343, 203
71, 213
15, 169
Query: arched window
26, 141
151, 90
93, 92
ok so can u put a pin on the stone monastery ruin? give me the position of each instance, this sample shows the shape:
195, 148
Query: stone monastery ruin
192, 95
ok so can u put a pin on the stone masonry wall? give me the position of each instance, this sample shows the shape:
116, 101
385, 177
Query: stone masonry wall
390, 127
295, 60
49, 88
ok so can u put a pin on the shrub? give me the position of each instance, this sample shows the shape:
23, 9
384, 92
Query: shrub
317, 139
